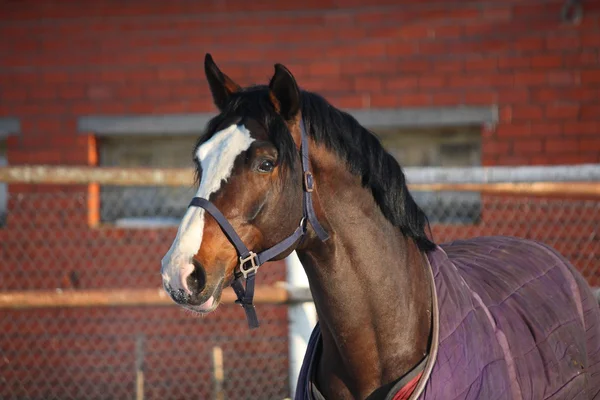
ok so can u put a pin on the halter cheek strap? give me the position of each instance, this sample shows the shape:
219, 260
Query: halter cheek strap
251, 261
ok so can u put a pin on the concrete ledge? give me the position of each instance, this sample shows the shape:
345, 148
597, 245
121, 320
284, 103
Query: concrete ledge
184, 124
9, 127
193, 124
425, 116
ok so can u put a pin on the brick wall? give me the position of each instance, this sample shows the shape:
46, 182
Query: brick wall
66, 59
104, 57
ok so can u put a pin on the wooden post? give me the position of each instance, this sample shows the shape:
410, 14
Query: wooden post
139, 367
218, 374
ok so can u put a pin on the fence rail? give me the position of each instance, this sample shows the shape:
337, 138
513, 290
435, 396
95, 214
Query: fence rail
83, 315
42, 174
264, 294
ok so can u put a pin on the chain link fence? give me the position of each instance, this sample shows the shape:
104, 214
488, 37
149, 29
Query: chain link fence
158, 352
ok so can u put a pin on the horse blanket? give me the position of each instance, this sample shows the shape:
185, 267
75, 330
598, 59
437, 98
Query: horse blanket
516, 321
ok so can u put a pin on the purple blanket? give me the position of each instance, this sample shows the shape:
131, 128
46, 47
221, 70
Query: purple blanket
516, 322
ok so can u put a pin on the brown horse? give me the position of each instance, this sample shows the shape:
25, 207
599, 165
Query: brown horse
399, 316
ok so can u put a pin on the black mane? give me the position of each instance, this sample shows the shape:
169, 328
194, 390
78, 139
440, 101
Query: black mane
341, 133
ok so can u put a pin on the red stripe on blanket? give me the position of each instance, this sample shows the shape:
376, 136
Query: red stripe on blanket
408, 389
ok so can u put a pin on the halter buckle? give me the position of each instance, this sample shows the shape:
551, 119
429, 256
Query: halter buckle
253, 258
309, 182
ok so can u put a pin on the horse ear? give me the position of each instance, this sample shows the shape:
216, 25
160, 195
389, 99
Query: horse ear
284, 93
221, 86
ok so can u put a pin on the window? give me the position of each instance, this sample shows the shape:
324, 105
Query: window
3, 186
439, 147
135, 206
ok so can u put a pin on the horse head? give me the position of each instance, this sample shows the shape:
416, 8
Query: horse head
249, 169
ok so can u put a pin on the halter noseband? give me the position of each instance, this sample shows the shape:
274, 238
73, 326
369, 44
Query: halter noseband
251, 261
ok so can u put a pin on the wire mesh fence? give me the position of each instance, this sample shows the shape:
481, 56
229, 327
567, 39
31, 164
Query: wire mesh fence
157, 352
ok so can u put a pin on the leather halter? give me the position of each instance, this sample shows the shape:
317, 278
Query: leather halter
251, 261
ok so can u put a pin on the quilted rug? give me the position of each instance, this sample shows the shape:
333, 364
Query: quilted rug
516, 321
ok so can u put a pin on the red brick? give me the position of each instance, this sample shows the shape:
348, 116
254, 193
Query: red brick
480, 97
446, 98
527, 112
590, 111
171, 74
546, 61
401, 83
530, 78
546, 95
589, 144
534, 9
324, 68
414, 66
414, 99
514, 62
591, 76
511, 131
448, 65
43, 93
197, 105
113, 108
497, 13
83, 108
432, 81
528, 44
399, 48
561, 145
448, 31
371, 16
591, 39
367, 84
49, 125
524, 146
361, 50
546, 129
351, 101
324, 84
477, 28
505, 114
352, 33
564, 42
177, 91
586, 58
157, 91
368, 66
557, 78
573, 158
113, 75
497, 147
384, 100
16, 94
414, 31
581, 128
514, 95
52, 77
484, 64
562, 111
72, 92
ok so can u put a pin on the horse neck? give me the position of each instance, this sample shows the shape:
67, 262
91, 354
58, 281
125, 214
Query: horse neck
370, 288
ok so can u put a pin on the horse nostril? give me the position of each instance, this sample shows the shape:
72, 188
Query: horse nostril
197, 279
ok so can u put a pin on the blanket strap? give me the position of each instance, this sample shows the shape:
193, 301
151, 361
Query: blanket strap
435, 336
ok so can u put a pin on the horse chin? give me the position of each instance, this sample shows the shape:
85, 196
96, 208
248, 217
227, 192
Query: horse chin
209, 305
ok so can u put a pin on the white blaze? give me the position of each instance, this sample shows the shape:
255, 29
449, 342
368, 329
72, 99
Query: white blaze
216, 156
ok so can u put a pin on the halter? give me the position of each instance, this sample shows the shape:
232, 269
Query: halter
251, 261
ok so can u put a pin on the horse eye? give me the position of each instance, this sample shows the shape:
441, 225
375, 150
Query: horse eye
266, 166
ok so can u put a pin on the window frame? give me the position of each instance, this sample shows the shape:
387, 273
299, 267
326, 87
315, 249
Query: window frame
191, 124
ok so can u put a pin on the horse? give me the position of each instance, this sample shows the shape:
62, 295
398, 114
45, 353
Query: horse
280, 169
